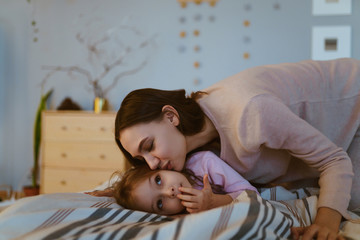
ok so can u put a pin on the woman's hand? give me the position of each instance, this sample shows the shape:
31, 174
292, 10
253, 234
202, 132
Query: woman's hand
200, 200
296, 232
197, 200
326, 226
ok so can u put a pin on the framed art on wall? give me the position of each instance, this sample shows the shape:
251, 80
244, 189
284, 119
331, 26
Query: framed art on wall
331, 7
331, 42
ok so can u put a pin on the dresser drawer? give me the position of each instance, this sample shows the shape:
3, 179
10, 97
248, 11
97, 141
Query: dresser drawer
99, 155
78, 126
78, 150
72, 180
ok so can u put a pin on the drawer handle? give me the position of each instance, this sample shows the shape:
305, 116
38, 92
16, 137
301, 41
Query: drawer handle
64, 155
102, 156
63, 182
64, 128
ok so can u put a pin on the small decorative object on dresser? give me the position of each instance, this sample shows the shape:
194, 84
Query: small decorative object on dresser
78, 150
100, 104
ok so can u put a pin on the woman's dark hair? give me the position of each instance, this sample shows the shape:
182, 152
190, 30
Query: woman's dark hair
145, 105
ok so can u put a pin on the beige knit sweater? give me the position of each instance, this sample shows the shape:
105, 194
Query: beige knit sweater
291, 121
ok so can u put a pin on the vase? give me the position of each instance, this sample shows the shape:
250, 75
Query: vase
100, 104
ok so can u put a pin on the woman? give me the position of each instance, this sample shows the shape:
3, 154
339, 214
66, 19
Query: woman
275, 124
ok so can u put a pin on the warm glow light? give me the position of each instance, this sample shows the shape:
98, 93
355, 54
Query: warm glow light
183, 34
183, 3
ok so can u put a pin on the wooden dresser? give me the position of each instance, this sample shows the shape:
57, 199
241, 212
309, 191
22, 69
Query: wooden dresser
78, 151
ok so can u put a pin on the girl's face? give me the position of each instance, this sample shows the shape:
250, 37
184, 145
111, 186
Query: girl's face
159, 143
157, 194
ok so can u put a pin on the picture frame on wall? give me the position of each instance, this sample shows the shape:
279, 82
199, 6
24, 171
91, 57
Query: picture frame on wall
331, 7
330, 42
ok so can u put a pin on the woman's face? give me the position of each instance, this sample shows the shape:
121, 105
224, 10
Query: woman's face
157, 194
159, 143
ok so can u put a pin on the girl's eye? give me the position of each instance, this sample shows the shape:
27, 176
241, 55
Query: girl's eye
158, 180
159, 204
151, 147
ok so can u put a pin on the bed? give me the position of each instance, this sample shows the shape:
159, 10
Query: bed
81, 216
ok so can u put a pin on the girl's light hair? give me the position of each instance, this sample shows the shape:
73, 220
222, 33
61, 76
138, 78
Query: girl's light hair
128, 181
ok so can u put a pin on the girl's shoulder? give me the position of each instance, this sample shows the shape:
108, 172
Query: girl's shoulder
201, 162
201, 158
203, 154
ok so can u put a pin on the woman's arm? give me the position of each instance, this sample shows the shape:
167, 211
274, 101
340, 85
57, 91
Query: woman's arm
282, 129
326, 226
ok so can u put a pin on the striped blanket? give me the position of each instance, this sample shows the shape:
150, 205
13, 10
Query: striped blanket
80, 216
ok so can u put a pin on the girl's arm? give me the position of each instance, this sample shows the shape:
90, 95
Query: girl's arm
207, 164
200, 200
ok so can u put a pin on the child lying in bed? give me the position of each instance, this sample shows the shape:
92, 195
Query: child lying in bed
169, 192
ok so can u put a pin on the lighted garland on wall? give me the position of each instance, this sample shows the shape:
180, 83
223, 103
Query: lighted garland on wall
194, 33
183, 3
34, 25
246, 24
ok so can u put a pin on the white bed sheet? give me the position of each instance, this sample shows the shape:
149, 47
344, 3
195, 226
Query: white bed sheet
80, 216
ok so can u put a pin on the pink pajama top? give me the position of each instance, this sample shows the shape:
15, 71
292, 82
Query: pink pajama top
291, 121
220, 173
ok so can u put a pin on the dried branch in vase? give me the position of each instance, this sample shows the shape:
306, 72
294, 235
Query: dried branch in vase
104, 61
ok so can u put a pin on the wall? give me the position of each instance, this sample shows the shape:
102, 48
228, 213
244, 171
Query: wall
17, 109
278, 31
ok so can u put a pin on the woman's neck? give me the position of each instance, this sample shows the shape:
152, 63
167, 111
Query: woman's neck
208, 134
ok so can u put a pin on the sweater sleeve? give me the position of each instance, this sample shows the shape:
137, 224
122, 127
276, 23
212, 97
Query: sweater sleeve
222, 174
268, 122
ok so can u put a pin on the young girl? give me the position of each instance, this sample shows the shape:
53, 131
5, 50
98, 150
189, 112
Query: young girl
169, 192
